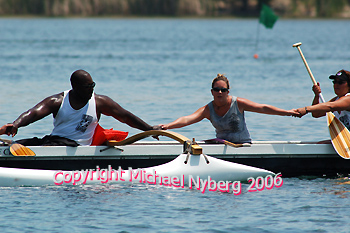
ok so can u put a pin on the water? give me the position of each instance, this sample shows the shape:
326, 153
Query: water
161, 70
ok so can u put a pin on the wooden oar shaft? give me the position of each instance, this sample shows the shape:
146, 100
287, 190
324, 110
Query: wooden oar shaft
307, 66
6, 141
297, 45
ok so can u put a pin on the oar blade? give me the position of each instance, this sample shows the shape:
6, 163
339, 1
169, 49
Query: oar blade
20, 150
340, 136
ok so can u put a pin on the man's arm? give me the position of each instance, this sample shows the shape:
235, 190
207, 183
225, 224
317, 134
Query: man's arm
108, 107
44, 108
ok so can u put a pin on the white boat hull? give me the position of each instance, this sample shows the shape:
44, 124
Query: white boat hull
290, 158
183, 170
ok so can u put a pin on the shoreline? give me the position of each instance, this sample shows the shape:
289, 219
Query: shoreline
165, 17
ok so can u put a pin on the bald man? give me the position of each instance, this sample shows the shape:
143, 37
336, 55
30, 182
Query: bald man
76, 114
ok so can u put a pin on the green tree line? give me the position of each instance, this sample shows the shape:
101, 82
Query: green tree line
238, 8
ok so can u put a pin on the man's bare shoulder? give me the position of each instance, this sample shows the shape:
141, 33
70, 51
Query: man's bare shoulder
54, 99
103, 101
49, 105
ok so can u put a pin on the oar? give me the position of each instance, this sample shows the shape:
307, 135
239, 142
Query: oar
339, 133
17, 149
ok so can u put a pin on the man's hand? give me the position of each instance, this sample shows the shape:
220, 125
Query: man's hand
9, 129
157, 127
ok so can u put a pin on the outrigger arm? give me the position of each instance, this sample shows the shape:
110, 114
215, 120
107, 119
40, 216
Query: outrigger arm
189, 146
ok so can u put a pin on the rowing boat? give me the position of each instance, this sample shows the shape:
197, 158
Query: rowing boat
291, 158
191, 166
183, 170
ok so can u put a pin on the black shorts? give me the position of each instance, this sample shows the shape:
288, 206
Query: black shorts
48, 140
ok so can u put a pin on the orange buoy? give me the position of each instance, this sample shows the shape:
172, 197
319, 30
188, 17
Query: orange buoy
256, 56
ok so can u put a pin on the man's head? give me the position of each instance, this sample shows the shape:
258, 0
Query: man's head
82, 84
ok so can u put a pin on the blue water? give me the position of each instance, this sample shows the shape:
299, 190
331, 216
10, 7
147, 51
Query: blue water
161, 70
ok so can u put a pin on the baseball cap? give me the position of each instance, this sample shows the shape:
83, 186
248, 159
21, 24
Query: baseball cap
340, 75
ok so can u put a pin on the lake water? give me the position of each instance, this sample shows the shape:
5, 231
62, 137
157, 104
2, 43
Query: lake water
161, 69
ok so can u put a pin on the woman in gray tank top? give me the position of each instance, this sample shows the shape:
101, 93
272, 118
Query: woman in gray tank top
226, 113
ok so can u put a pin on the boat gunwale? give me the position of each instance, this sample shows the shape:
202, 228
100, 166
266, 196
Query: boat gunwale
170, 149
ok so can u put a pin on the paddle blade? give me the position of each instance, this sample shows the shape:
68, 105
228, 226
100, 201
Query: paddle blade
20, 150
340, 136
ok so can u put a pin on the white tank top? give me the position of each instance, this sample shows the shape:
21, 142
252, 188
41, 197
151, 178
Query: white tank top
344, 116
78, 125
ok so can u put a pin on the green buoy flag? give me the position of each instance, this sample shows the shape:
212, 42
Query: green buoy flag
267, 16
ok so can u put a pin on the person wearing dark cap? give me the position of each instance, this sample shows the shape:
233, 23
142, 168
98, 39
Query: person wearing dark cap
339, 105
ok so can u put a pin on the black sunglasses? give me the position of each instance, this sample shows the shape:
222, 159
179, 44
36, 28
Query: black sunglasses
91, 85
216, 89
338, 82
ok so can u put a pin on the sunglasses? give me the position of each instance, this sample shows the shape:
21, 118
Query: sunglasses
91, 85
216, 89
338, 82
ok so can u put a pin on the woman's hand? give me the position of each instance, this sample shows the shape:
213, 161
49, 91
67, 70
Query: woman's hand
316, 89
301, 112
163, 127
294, 113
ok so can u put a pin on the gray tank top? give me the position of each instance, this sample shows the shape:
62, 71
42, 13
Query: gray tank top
231, 126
